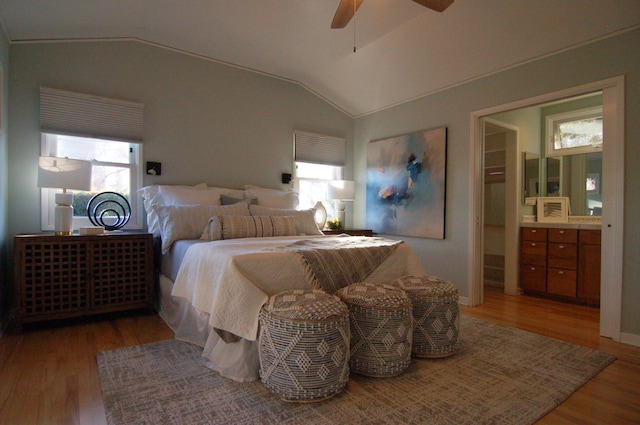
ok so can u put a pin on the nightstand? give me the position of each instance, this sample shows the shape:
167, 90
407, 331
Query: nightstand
350, 232
70, 276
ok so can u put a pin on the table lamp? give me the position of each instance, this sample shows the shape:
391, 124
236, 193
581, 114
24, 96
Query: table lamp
64, 173
341, 190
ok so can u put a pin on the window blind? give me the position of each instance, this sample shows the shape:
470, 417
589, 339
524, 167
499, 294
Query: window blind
319, 149
79, 114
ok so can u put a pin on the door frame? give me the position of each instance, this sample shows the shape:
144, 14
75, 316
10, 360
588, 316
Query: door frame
613, 195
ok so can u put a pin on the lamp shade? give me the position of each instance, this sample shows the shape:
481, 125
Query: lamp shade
344, 190
64, 173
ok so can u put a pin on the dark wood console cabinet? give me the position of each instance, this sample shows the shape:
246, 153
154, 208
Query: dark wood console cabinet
69, 276
561, 263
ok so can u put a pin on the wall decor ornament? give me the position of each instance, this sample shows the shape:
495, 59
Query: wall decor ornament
406, 184
110, 210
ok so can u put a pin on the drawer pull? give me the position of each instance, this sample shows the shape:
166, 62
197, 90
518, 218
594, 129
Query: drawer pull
533, 244
561, 232
561, 272
534, 231
561, 246
533, 269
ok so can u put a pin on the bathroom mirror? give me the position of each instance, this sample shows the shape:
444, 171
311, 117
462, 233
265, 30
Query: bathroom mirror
531, 178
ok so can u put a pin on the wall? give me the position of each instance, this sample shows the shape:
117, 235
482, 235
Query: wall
206, 122
453, 107
4, 175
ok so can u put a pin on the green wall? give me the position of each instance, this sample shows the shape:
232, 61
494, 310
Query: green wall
452, 108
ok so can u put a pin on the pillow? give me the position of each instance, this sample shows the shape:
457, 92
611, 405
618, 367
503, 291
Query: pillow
229, 200
151, 197
234, 193
242, 226
186, 221
304, 219
185, 196
272, 198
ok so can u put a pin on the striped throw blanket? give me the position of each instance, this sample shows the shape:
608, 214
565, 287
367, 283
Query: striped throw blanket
336, 262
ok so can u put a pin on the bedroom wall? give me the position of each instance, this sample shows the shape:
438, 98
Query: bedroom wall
4, 160
453, 107
204, 121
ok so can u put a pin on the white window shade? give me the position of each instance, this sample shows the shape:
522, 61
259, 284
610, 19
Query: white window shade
78, 114
319, 149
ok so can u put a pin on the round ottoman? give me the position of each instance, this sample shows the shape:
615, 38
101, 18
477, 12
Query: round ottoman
381, 328
436, 315
303, 345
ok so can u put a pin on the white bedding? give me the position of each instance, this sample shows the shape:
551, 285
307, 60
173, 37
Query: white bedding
223, 284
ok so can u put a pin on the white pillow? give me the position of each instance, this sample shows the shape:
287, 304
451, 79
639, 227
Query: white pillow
187, 221
242, 226
233, 193
304, 219
272, 198
185, 196
151, 197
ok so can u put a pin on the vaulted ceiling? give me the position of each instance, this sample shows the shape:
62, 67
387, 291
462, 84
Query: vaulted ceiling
404, 51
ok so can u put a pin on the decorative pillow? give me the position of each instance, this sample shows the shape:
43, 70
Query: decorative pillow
151, 197
186, 221
304, 219
242, 226
184, 196
272, 198
234, 193
229, 200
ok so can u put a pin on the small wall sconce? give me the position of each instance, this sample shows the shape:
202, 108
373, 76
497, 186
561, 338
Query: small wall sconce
154, 168
286, 178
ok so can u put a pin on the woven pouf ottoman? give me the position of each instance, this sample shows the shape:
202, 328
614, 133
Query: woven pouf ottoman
381, 328
436, 315
303, 345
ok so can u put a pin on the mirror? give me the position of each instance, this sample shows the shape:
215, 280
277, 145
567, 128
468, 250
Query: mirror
531, 167
577, 177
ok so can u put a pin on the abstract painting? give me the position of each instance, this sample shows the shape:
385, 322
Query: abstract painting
406, 178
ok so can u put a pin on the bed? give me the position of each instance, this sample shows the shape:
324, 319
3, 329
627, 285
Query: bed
225, 251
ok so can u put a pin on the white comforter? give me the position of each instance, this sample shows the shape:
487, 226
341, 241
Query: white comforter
230, 280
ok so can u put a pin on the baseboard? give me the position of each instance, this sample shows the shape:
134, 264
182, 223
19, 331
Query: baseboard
631, 339
463, 300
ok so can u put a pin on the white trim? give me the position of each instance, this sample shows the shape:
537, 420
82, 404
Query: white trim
613, 189
631, 339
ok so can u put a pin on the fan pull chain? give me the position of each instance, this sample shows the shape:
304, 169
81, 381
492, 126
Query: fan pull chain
355, 10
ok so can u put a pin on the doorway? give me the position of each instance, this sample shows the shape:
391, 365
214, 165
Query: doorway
613, 190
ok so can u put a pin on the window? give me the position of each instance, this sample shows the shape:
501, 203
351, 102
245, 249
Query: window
574, 132
318, 159
115, 168
311, 182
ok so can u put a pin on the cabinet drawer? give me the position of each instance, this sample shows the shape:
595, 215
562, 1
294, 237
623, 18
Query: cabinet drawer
563, 256
562, 282
563, 235
590, 237
533, 278
534, 234
534, 252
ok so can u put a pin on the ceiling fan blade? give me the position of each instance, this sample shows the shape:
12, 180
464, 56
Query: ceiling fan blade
344, 13
437, 5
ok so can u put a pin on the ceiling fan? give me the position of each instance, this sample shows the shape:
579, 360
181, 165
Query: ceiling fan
347, 9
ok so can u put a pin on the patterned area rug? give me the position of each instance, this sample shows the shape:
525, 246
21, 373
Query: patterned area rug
499, 375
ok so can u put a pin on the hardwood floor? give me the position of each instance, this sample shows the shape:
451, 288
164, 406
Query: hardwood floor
49, 375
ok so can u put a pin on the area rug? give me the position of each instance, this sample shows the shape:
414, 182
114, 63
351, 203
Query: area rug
499, 375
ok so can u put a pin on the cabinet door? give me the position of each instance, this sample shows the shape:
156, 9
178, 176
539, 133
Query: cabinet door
563, 256
562, 282
533, 278
52, 277
589, 273
121, 270
534, 252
